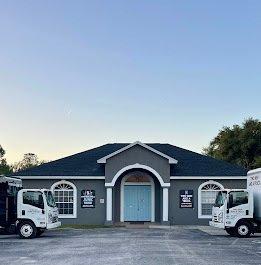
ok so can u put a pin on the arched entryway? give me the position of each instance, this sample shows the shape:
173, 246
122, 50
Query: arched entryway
137, 197
156, 208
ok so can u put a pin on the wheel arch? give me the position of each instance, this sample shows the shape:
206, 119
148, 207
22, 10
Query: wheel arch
249, 221
21, 220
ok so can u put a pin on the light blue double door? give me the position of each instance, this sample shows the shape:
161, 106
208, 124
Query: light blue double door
137, 203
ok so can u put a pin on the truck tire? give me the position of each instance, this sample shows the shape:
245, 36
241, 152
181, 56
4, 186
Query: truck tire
231, 231
39, 232
27, 230
243, 229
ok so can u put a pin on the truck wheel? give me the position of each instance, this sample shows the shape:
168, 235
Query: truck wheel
243, 229
39, 232
27, 230
231, 231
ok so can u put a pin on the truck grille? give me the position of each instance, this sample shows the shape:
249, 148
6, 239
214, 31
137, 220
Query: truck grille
55, 219
215, 218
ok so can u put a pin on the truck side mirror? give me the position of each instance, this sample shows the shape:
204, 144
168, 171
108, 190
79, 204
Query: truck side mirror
41, 202
230, 201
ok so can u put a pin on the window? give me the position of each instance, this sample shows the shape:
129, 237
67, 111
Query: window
138, 176
237, 198
66, 198
34, 198
50, 199
207, 193
220, 199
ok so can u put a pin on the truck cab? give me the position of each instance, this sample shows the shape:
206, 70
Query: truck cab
233, 211
36, 211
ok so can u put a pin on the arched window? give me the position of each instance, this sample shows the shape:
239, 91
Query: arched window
65, 195
207, 193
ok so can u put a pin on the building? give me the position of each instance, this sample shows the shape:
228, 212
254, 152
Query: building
135, 182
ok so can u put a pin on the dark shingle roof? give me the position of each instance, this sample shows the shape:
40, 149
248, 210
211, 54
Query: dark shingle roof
85, 163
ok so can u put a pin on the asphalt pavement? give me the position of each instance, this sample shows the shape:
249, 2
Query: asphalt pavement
107, 246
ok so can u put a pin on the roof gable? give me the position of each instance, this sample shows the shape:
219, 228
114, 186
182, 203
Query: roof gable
104, 159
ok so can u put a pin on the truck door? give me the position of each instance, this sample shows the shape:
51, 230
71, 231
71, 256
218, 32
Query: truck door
237, 207
32, 207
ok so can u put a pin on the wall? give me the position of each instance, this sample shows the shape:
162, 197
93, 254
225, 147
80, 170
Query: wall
84, 216
183, 216
98, 214
137, 154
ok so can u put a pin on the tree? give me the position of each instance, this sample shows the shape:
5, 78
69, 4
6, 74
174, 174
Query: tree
29, 160
239, 144
5, 169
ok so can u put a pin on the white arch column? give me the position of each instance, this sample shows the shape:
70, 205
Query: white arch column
108, 205
165, 206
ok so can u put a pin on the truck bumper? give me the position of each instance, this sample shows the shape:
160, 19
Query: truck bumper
53, 225
217, 225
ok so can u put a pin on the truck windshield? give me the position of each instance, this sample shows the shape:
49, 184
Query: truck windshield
220, 199
49, 198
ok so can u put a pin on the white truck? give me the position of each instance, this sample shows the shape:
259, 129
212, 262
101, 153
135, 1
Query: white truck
238, 211
29, 211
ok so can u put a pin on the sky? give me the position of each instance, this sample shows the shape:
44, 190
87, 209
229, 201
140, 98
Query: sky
78, 74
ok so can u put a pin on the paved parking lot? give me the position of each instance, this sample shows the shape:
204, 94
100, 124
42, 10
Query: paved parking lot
179, 245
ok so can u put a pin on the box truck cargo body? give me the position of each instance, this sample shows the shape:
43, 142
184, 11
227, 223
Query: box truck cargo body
238, 211
254, 187
9, 188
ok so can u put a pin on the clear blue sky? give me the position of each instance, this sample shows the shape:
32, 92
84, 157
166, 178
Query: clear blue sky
77, 74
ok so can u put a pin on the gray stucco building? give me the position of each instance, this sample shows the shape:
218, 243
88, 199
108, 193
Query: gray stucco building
135, 182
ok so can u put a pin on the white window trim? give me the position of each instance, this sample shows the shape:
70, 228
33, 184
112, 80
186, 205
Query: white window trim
200, 216
67, 216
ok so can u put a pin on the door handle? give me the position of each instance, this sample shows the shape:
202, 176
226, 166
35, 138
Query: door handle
23, 212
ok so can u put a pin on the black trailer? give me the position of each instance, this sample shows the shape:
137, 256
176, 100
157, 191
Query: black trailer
9, 188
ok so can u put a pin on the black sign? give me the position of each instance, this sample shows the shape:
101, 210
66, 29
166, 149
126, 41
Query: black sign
186, 199
88, 198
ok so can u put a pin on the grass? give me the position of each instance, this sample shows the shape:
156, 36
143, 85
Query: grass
74, 226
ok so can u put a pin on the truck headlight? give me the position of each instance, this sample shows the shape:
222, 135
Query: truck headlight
220, 218
50, 217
